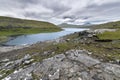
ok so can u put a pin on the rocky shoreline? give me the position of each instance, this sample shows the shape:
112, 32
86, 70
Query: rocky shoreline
42, 61
11, 48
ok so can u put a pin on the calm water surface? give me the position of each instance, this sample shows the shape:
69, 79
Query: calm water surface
33, 38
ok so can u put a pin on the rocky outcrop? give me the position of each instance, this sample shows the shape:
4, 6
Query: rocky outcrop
104, 30
71, 65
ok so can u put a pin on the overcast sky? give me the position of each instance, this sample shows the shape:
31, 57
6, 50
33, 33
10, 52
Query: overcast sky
58, 11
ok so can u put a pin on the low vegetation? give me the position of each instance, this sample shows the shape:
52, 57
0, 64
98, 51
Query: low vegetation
110, 25
110, 35
13, 26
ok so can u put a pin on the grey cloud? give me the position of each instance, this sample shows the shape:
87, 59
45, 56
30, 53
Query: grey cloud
57, 11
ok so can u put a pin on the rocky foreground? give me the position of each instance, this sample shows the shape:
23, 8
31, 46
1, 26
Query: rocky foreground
71, 65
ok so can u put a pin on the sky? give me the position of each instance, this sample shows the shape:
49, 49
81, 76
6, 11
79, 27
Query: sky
63, 11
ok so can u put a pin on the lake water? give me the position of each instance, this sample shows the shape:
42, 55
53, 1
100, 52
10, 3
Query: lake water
33, 38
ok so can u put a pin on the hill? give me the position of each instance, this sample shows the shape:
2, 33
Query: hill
65, 25
14, 26
110, 25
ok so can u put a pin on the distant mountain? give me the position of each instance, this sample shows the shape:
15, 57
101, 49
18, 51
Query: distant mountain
112, 25
87, 24
65, 25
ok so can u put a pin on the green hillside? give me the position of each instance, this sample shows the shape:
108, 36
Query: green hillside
14, 26
108, 34
110, 25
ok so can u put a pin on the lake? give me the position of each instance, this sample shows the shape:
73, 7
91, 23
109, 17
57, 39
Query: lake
33, 38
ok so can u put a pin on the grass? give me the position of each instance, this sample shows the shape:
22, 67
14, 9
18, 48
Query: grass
5, 73
104, 51
8, 22
21, 31
109, 35
110, 25
13, 26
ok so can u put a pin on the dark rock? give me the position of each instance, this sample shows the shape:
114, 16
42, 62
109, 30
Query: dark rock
106, 40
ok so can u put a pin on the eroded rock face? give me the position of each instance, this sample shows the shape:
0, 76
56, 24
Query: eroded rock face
72, 65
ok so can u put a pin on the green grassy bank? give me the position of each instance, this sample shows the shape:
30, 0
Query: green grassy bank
13, 26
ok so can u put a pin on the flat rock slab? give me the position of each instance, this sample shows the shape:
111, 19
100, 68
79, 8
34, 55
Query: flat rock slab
83, 58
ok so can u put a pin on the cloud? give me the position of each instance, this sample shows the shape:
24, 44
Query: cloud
58, 11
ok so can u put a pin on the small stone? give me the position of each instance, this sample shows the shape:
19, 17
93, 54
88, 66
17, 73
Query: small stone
90, 35
99, 71
46, 52
8, 63
7, 78
0, 75
79, 78
16, 71
89, 53
5, 60
118, 61
28, 62
54, 76
27, 57
29, 77
67, 40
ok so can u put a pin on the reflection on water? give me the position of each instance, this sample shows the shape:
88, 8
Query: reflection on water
33, 38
